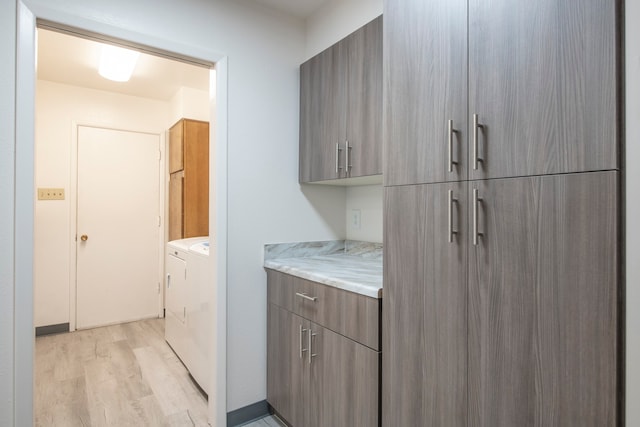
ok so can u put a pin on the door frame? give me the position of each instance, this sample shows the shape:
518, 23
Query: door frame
73, 214
28, 17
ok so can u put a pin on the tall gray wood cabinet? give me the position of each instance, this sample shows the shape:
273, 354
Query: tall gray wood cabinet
501, 214
529, 319
341, 108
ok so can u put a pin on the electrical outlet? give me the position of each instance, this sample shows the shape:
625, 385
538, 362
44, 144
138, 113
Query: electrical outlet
50, 193
355, 219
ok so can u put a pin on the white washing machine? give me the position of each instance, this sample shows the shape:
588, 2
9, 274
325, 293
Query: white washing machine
199, 313
176, 296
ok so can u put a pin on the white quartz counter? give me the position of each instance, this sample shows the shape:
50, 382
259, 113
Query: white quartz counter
354, 266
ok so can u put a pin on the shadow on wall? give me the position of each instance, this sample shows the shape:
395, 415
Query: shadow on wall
329, 202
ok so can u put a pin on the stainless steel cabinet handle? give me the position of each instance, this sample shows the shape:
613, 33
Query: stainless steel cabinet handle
305, 296
168, 281
347, 158
302, 350
310, 345
451, 202
450, 132
476, 126
476, 200
338, 150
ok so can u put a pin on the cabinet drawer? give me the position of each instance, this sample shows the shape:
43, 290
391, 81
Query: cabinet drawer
352, 315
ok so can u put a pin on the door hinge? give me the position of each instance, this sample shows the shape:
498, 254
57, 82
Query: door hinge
158, 287
159, 155
159, 220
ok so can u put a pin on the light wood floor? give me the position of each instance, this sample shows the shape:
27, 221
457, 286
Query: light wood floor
121, 375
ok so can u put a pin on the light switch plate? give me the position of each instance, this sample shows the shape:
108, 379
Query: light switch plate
50, 193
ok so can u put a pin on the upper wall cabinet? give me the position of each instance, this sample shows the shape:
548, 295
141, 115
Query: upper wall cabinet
533, 93
341, 108
425, 68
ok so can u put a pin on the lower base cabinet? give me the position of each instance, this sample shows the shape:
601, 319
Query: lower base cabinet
502, 303
317, 377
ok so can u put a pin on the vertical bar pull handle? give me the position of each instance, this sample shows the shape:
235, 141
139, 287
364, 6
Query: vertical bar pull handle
476, 157
476, 233
452, 200
302, 350
168, 281
310, 336
450, 132
338, 150
347, 158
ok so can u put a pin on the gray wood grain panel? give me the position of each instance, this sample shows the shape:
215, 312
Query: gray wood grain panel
322, 113
353, 315
425, 85
543, 288
280, 289
364, 99
424, 307
299, 370
542, 78
279, 360
344, 382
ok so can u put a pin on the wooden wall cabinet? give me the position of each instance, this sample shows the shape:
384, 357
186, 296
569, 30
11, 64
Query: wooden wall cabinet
341, 108
188, 179
527, 269
317, 376
538, 89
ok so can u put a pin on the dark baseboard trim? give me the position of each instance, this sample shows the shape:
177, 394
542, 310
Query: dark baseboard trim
52, 329
247, 414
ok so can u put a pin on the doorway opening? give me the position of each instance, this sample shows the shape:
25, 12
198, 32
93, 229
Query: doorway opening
120, 274
25, 185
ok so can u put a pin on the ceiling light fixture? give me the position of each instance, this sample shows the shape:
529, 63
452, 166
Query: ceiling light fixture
117, 63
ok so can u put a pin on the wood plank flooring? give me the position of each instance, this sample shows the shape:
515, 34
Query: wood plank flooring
121, 375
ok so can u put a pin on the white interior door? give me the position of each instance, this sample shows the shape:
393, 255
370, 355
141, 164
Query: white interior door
118, 198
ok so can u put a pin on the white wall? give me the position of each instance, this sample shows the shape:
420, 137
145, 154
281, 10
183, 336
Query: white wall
189, 103
368, 200
7, 189
58, 107
337, 19
632, 8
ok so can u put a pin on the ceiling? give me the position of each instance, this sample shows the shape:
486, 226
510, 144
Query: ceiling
299, 8
73, 60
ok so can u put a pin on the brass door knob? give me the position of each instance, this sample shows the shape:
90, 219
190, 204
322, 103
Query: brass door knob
84, 237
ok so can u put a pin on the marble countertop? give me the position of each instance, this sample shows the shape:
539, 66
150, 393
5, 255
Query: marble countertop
352, 266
